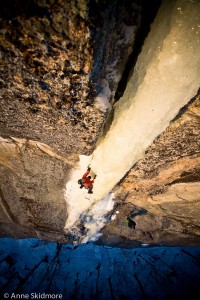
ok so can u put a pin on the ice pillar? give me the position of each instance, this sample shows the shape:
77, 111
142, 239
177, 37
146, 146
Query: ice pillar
165, 78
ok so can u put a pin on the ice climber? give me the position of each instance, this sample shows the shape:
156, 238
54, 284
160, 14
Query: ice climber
86, 181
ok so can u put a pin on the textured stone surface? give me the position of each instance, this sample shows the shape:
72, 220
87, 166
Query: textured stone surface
46, 55
57, 57
162, 191
45, 270
32, 178
48, 64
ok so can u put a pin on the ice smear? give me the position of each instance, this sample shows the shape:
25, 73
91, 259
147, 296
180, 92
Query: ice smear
102, 100
97, 217
86, 208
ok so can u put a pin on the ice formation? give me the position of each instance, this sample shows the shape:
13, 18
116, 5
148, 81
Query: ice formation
165, 78
88, 208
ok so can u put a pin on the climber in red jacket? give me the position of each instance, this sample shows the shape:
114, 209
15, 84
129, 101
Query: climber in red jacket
86, 181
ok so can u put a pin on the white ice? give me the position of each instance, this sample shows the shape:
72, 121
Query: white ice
165, 78
80, 203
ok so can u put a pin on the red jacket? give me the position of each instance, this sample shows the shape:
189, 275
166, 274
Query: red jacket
86, 181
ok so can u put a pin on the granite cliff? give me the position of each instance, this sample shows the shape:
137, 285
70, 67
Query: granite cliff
64, 67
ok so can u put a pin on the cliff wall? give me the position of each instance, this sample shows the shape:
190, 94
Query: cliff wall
62, 65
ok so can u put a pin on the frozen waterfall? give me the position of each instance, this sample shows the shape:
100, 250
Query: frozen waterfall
165, 78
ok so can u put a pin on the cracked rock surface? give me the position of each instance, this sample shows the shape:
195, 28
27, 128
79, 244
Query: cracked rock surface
55, 58
59, 59
161, 193
51, 56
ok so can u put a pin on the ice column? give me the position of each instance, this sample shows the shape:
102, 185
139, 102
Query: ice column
165, 78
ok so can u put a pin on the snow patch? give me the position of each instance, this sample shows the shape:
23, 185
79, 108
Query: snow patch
102, 100
102, 103
145, 245
113, 217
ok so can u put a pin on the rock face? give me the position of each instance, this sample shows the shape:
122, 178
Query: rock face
160, 194
49, 61
61, 63
42, 270
47, 56
57, 57
33, 178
